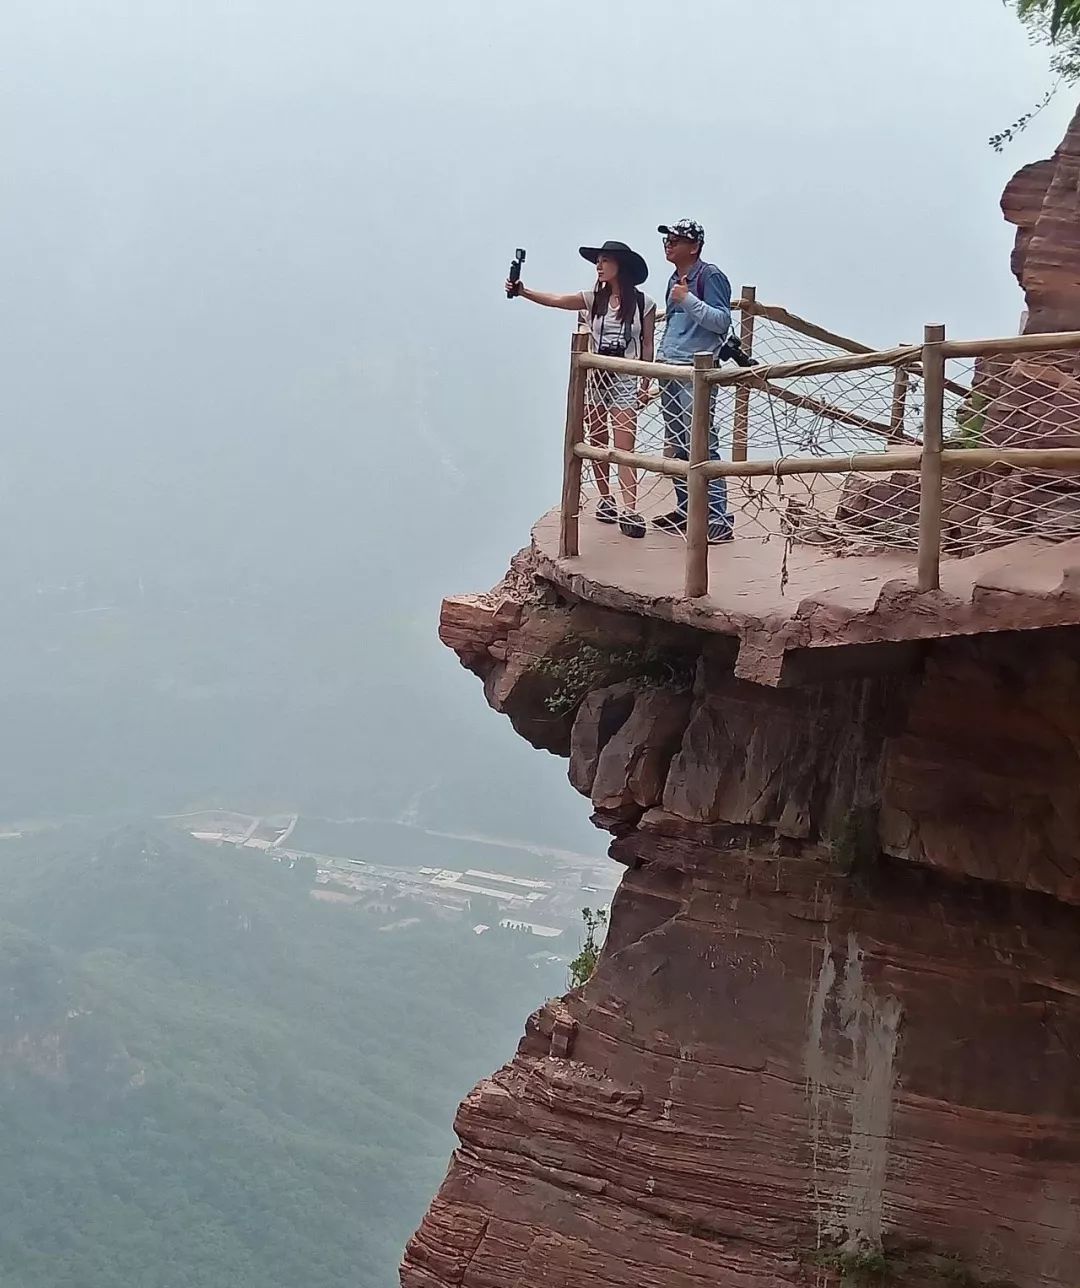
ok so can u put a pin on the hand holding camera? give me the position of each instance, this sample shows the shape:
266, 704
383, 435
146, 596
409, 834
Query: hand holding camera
514, 284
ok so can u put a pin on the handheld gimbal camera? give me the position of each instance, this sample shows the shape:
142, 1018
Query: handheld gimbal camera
515, 272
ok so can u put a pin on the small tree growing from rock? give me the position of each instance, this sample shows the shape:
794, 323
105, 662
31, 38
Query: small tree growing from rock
584, 964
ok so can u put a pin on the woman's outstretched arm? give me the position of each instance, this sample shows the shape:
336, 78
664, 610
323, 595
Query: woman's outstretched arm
575, 301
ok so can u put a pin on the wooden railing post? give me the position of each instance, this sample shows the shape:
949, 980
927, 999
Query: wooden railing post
575, 434
933, 366
901, 380
741, 425
697, 485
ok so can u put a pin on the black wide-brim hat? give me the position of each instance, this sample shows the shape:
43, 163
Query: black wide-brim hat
639, 270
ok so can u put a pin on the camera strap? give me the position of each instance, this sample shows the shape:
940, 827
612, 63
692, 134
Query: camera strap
628, 327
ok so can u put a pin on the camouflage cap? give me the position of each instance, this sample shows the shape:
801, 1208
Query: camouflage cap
688, 228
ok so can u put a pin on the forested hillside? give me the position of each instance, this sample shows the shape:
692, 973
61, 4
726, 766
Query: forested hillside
210, 1079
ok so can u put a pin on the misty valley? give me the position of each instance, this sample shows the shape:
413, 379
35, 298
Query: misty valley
696, 907
208, 1076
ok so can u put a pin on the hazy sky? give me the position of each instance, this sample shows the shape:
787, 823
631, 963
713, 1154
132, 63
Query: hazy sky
249, 250
233, 225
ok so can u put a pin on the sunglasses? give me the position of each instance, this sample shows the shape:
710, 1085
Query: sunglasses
675, 241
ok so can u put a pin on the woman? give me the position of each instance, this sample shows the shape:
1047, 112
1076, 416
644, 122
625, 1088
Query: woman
622, 324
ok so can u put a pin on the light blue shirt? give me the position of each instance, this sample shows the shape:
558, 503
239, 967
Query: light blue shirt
701, 322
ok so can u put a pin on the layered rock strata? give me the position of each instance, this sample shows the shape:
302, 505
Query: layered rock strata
1043, 201
837, 1016
835, 1028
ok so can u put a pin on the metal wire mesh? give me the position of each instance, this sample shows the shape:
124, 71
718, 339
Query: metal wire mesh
1031, 401
624, 412
779, 418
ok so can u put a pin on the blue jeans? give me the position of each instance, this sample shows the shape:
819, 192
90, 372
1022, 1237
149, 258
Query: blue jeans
677, 404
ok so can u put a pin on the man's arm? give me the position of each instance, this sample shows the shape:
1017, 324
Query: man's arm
714, 311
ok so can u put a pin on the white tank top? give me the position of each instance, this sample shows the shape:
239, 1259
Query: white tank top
610, 329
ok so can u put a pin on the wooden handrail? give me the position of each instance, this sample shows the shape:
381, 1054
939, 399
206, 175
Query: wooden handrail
636, 367
953, 460
813, 366
774, 313
793, 322
669, 466
932, 459
1049, 342
749, 307
767, 371
1024, 458
856, 463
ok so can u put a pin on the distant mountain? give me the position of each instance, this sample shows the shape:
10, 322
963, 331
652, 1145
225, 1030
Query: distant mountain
209, 1078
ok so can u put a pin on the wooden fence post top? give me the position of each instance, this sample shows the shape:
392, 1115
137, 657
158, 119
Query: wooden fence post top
704, 361
933, 333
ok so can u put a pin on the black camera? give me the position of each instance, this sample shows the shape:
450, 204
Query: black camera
612, 348
515, 273
732, 351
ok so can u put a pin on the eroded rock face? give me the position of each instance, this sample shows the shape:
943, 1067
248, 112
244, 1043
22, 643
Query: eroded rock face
839, 1005
1034, 401
768, 1061
982, 779
1043, 200
970, 759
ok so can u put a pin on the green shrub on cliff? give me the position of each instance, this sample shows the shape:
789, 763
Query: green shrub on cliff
588, 667
584, 964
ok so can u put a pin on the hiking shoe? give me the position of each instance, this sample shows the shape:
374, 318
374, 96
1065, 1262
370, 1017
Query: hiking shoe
719, 532
606, 511
675, 521
631, 524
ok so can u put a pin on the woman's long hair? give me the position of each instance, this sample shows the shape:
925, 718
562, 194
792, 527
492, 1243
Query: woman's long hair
627, 296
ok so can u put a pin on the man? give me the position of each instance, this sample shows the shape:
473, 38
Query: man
698, 320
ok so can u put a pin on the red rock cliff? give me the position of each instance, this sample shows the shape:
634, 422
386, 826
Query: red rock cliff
1043, 200
839, 1005
836, 1024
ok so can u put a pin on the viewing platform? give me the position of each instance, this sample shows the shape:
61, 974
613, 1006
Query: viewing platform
878, 496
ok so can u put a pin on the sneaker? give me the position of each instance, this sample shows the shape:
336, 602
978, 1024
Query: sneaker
719, 532
673, 522
631, 524
606, 511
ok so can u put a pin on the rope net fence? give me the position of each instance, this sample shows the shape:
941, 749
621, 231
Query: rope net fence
792, 417
1030, 402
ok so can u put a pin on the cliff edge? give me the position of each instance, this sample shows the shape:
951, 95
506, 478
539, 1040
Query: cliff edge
837, 1018
834, 1034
